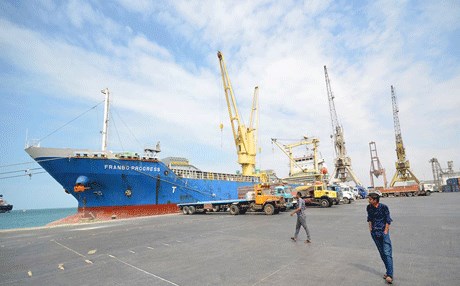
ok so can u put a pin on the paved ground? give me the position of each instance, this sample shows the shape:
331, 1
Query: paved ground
251, 249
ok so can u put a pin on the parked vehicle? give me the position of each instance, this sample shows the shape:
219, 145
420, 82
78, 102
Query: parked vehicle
400, 191
362, 193
259, 199
318, 194
285, 192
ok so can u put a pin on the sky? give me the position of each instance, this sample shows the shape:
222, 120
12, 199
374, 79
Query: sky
159, 61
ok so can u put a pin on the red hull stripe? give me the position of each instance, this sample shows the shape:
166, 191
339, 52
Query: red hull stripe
119, 212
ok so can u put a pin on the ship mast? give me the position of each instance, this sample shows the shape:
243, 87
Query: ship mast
106, 119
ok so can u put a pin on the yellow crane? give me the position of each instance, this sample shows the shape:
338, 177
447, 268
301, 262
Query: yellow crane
245, 137
314, 174
403, 171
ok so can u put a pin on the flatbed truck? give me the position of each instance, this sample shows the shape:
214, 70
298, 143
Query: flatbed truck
257, 200
403, 191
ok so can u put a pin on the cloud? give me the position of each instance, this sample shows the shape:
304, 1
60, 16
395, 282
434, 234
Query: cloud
159, 61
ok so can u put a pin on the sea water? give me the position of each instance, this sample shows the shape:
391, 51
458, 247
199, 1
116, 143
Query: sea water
33, 218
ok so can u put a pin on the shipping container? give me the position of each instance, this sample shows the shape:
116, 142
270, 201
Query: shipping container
446, 188
452, 181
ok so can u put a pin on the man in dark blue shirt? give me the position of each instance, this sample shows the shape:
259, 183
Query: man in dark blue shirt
378, 216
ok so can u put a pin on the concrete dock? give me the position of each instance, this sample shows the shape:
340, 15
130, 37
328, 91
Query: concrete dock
250, 249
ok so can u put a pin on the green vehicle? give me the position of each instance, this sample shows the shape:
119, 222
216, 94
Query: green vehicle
285, 192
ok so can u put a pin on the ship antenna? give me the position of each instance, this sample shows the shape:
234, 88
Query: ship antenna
106, 119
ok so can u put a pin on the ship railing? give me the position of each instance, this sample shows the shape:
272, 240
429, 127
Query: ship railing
33, 143
193, 174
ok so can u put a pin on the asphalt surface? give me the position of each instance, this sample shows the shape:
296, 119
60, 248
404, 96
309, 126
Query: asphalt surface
250, 249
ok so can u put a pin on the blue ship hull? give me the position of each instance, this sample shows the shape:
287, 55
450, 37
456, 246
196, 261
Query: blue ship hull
108, 182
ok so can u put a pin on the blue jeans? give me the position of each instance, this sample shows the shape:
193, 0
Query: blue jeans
383, 244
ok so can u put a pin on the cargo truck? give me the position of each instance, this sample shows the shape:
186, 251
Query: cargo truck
258, 199
403, 191
318, 194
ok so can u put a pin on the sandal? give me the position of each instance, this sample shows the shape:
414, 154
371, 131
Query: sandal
389, 280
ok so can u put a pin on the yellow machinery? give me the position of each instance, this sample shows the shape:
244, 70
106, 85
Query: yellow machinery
245, 137
296, 170
318, 194
403, 172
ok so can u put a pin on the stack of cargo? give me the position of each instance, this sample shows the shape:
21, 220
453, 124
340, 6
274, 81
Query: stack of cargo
452, 185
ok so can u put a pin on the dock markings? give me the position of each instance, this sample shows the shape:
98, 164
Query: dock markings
270, 275
150, 247
70, 249
142, 270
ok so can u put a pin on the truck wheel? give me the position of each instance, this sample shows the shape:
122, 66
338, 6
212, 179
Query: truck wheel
346, 201
191, 210
409, 194
277, 211
185, 210
325, 203
234, 210
427, 193
242, 211
269, 209
216, 209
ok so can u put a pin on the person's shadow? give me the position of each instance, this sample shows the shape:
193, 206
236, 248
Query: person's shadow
365, 268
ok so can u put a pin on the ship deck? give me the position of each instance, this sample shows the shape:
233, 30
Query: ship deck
251, 249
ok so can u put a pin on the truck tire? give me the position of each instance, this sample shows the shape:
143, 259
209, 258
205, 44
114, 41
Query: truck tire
242, 211
191, 210
185, 210
428, 193
346, 201
410, 194
234, 210
269, 209
325, 203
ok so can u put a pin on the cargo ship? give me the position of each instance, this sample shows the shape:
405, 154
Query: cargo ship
126, 184
5, 207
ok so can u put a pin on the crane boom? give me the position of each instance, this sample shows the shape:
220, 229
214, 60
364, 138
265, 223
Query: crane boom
403, 171
287, 150
245, 138
342, 171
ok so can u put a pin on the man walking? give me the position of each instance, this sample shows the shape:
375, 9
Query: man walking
301, 218
378, 216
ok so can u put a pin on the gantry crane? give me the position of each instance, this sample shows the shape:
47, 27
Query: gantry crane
343, 171
437, 172
313, 174
376, 167
245, 137
403, 171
